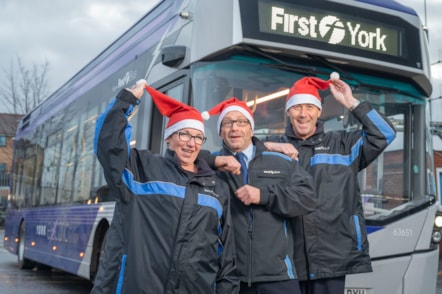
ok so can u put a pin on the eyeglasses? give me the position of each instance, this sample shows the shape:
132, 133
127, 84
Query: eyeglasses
239, 123
186, 137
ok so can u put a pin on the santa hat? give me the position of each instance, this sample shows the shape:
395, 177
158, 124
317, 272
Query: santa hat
305, 91
232, 104
180, 115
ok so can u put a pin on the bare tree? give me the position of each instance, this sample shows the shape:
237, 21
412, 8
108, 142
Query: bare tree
23, 88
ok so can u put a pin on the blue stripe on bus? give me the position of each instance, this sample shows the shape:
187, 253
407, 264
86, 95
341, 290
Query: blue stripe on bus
373, 229
391, 5
382, 125
169, 189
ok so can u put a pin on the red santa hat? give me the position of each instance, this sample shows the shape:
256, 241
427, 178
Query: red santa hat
232, 104
180, 115
305, 91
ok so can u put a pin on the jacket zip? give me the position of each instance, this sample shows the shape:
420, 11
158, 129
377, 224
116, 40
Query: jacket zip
250, 232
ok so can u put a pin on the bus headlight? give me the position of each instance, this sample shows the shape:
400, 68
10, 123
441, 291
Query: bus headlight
436, 237
438, 221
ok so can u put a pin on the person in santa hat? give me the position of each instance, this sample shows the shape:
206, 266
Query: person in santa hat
173, 210
333, 239
270, 189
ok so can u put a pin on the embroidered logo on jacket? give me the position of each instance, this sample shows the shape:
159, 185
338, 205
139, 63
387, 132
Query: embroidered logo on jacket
323, 148
211, 193
273, 172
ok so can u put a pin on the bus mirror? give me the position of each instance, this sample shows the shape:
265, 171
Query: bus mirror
173, 55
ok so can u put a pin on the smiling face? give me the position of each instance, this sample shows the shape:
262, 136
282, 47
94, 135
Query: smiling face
186, 151
236, 131
303, 118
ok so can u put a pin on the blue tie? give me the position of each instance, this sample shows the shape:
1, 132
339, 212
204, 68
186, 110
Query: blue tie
242, 159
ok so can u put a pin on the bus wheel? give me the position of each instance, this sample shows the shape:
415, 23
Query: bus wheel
23, 263
98, 252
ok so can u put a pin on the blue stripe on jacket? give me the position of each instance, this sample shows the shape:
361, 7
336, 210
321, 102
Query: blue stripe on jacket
169, 189
339, 158
100, 122
382, 125
347, 160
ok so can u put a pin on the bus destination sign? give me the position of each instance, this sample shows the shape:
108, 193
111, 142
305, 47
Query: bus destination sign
328, 27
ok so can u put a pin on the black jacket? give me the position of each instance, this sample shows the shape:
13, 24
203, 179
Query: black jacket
335, 238
263, 237
176, 226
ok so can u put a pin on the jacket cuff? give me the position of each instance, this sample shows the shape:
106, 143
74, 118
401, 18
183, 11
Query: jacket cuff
264, 196
362, 109
127, 96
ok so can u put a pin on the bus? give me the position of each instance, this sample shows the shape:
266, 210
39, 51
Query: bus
204, 51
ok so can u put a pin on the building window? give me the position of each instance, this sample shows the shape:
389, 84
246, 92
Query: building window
2, 140
439, 183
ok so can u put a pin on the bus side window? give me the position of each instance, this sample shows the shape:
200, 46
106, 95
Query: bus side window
51, 162
86, 156
68, 160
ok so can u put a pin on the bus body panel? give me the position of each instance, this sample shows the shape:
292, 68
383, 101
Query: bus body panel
398, 254
60, 237
397, 275
406, 235
227, 55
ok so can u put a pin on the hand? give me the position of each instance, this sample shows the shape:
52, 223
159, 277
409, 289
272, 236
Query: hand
342, 93
228, 164
284, 148
138, 89
248, 195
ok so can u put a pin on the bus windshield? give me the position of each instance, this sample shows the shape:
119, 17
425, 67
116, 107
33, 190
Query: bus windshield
391, 185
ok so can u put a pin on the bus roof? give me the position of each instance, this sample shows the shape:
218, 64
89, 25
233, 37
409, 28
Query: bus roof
391, 4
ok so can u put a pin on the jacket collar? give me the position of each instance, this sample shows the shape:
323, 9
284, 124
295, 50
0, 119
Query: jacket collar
204, 169
259, 147
319, 132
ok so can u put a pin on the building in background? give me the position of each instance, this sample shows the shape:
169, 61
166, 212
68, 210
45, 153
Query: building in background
436, 121
8, 127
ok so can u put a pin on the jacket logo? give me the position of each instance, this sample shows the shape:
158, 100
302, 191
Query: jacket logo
273, 172
210, 192
323, 148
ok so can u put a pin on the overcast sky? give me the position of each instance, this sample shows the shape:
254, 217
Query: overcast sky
70, 33
66, 33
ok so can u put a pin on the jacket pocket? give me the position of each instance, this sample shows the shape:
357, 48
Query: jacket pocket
121, 275
359, 231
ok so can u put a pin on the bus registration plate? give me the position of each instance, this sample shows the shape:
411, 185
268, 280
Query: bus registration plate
356, 291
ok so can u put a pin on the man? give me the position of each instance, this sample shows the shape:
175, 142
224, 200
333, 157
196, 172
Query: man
270, 190
334, 241
173, 210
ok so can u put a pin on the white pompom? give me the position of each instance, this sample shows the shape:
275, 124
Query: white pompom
334, 76
205, 115
141, 82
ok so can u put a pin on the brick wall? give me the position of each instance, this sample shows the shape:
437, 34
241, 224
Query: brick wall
6, 153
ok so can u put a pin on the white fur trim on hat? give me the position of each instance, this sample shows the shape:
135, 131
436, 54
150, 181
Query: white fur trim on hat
183, 124
234, 108
302, 99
